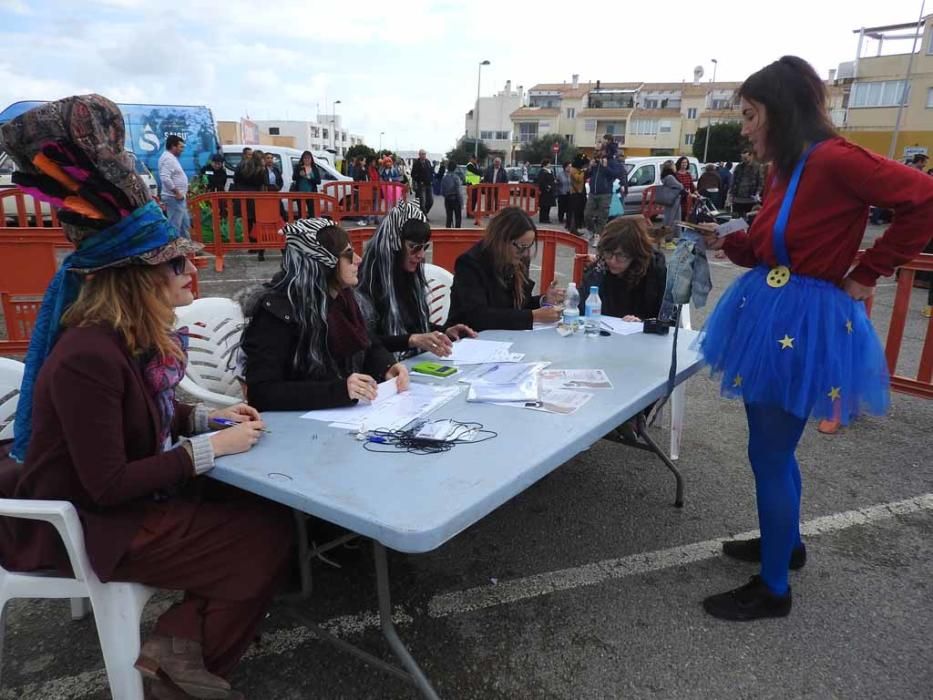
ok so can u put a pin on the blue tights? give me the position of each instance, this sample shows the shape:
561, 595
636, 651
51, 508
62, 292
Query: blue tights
773, 435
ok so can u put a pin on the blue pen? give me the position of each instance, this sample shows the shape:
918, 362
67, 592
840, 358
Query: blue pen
231, 423
376, 438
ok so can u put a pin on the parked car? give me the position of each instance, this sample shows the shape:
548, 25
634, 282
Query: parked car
645, 171
285, 159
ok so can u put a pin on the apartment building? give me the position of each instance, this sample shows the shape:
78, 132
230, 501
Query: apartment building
325, 134
892, 71
495, 122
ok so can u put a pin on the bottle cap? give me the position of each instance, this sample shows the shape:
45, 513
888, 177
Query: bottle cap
594, 290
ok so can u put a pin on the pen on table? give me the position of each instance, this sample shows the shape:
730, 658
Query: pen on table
231, 423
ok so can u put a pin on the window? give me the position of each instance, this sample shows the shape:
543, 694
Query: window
642, 176
569, 138
502, 135
930, 98
485, 135
880, 93
664, 127
651, 104
324, 134
610, 128
691, 112
688, 139
571, 113
273, 131
589, 125
527, 132
644, 127
315, 131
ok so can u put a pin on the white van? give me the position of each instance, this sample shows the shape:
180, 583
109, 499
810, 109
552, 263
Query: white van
285, 159
645, 171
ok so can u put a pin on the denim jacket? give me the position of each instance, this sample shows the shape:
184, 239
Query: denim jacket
688, 275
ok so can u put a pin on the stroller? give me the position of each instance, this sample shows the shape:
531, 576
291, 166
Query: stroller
704, 211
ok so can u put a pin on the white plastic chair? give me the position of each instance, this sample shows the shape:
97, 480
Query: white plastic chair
439, 283
11, 376
117, 607
215, 326
679, 396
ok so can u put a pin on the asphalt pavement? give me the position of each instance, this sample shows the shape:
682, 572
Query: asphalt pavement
588, 585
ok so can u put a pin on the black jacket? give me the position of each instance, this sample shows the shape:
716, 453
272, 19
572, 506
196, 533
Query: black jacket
273, 384
422, 173
481, 300
279, 181
501, 176
545, 182
642, 300
216, 180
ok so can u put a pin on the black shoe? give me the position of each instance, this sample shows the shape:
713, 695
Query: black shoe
262, 256
750, 550
752, 601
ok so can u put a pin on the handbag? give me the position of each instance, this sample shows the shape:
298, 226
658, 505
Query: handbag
665, 195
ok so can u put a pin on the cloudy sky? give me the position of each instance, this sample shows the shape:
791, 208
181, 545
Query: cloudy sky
406, 68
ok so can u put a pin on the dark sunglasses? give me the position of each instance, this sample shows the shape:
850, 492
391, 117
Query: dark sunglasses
347, 255
417, 247
179, 264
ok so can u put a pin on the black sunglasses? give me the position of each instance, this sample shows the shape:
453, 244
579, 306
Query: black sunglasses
179, 264
347, 254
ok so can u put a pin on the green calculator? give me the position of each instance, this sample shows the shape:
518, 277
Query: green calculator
434, 369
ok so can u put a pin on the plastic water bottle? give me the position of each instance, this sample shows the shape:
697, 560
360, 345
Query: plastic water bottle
594, 312
571, 315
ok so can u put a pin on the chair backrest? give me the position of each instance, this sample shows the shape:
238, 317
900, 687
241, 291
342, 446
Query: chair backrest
11, 376
215, 326
439, 283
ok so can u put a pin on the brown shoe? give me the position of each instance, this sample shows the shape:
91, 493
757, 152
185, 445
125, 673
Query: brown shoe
164, 689
181, 661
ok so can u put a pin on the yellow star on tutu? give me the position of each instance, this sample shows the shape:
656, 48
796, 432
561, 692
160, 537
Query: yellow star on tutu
737, 382
849, 326
786, 342
834, 392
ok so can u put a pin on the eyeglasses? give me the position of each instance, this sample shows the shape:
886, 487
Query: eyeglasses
179, 264
618, 256
347, 255
522, 249
417, 247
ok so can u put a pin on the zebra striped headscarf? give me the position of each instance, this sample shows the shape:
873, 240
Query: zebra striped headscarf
306, 269
378, 274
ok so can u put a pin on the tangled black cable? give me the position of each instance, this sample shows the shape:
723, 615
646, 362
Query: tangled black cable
394, 441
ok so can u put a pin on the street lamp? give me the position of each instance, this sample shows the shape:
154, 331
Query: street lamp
479, 72
709, 120
333, 122
381, 133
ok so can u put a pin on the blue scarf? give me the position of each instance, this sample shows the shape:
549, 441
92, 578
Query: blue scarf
145, 230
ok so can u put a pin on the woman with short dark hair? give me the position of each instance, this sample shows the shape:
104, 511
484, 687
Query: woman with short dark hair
492, 287
791, 337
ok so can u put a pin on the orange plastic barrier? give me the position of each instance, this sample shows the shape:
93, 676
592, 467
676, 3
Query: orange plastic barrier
254, 218
650, 208
21, 210
361, 199
447, 244
485, 200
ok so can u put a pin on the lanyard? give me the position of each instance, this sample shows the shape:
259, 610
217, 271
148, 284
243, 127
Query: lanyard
780, 226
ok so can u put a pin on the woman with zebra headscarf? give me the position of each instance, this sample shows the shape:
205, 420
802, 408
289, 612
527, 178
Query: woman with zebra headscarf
307, 345
393, 288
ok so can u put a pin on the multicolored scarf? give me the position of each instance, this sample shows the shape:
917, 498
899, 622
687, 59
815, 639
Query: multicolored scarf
162, 375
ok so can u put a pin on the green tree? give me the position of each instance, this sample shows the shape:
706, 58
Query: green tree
541, 148
360, 150
464, 151
725, 142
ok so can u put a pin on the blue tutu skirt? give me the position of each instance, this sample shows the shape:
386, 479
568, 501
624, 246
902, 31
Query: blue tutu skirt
807, 347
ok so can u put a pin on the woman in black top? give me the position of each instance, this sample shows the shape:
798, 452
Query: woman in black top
307, 345
628, 271
492, 288
393, 289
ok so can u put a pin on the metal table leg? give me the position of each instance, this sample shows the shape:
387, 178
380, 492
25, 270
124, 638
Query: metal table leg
388, 627
647, 443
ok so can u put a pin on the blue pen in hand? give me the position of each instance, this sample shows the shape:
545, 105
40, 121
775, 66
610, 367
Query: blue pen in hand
230, 423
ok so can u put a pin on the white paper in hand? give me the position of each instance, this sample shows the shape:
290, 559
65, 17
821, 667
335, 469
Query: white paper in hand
731, 226
384, 390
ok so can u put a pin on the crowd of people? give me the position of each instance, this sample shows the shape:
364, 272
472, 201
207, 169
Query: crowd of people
790, 338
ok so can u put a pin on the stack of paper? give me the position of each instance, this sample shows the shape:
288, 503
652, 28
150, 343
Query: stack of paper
392, 410
473, 351
617, 325
507, 382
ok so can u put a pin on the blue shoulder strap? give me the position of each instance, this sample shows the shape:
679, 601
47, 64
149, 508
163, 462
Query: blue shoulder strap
780, 226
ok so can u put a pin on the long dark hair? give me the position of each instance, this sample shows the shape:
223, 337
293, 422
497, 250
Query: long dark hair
508, 225
629, 234
794, 99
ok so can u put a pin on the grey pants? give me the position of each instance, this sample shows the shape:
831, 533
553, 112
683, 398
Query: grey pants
597, 212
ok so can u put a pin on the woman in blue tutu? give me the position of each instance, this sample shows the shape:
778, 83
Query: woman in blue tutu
791, 337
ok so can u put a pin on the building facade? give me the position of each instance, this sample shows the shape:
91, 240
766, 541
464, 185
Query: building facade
495, 122
325, 134
872, 88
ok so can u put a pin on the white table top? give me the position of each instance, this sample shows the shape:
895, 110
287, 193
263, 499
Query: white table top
415, 503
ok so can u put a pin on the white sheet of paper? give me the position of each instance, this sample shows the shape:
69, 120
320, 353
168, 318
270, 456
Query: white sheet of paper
392, 413
553, 401
474, 351
620, 327
544, 326
384, 390
731, 226
558, 379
